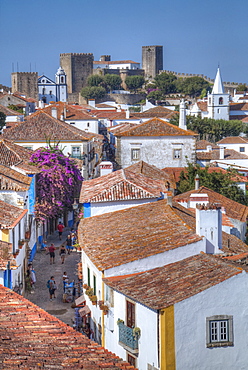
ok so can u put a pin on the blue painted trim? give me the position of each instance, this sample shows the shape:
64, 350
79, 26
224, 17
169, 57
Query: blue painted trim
70, 223
33, 252
87, 210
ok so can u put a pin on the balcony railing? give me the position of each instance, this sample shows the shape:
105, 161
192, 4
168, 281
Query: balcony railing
127, 338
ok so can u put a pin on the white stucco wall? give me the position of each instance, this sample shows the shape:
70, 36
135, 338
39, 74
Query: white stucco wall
158, 260
236, 147
158, 151
85, 125
105, 207
227, 298
146, 320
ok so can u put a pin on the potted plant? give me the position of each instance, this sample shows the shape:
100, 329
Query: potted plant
21, 243
136, 333
86, 286
119, 321
104, 308
93, 299
89, 291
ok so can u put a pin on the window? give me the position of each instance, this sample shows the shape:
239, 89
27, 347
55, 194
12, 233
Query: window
28, 147
135, 154
50, 92
219, 331
88, 273
76, 152
177, 154
94, 284
109, 295
220, 101
130, 314
209, 101
242, 149
218, 111
62, 79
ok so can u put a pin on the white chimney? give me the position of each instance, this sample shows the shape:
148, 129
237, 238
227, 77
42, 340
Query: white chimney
105, 167
127, 114
222, 152
54, 112
118, 109
197, 182
209, 224
62, 117
182, 115
92, 103
198, 199
209, 148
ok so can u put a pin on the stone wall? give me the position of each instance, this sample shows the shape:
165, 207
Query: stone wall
126, 98
78, 67
26, 83
152, 60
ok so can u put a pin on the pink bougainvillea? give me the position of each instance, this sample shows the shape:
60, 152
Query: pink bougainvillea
58, 183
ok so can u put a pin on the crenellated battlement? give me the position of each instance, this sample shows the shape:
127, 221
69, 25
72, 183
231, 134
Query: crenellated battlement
76, 54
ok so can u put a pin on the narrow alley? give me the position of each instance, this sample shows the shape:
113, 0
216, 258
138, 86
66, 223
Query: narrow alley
43, 270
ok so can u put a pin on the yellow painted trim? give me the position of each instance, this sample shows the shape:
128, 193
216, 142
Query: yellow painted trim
167, 339
5, 235
103, 325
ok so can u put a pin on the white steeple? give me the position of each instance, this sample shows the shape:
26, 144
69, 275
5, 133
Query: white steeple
182, 115
218, 86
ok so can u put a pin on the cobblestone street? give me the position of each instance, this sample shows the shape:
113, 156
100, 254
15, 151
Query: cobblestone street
43, 269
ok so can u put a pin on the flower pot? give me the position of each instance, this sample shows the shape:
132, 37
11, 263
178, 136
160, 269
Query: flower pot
94, 303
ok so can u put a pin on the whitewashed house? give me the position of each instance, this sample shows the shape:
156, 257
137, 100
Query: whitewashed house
180, 316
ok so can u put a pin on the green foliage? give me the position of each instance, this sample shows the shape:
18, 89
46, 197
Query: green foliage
113, 82
134, 82
166, 82
2, 120
242, 87
220, 182
15, 108
211, 129
94, 80
155, 95
192, 86
93, 92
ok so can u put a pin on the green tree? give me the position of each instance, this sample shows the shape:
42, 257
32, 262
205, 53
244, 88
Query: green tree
166, 82
113, 82
211, 129
94, 80
15, 108
220, 182
155, 95
134, 82
2, 120
192, 86
93, 92
242, 87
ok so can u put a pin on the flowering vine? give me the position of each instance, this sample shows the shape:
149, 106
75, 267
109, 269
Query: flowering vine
58, 183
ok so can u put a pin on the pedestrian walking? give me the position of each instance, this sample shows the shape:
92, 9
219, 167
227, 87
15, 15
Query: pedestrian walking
60, 229
52, 287
62, 253
65, 280
52, 253
69, 243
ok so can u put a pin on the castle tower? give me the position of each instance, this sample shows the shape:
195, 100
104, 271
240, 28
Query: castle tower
26, 83
61, 86
218, 100
152, 60
78, 67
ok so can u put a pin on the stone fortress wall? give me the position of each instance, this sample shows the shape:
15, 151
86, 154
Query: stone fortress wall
26, 83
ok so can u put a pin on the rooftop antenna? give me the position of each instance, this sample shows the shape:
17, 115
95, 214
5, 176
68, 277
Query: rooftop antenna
17, 67
13, 67
30, 66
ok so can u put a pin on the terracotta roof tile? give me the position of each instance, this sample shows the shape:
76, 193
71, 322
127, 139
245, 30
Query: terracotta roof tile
159, 111
233, 140
233, 209
203, 106
69, 112
238, 106
33, 339
40, 125
13, 180
202, 145
132, 234
173, 283
121, 185
157, 127
122, 127
215, 155
9, 214
153, 172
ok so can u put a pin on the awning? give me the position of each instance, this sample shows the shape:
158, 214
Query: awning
80, 300
84, 311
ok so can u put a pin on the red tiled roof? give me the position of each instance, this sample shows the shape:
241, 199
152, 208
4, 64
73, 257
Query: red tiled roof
132, 234
69, 112
121, 185
157, 112
33, 339
13, 180
202, 145
157, 127
122, 127
40, 125
233, 209
233, 140
238, 106
203, 106
165, 286
215, 155
153, 172
9, 214
237, 257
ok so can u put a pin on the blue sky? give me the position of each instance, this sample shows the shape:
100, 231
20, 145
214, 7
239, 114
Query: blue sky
196, 35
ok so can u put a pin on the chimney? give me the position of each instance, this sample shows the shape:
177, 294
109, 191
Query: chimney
222, 152
62, 116
209, 148
127, 114
197, 199
92, 103
169, 198
118, 108
182, 115
197, 182
209, 225
54, 112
